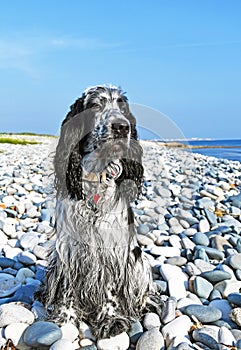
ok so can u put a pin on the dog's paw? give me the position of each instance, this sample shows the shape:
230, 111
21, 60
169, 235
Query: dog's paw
110, 327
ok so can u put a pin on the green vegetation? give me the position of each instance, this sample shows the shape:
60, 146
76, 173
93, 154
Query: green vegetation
25, 133
32, 134
17, 141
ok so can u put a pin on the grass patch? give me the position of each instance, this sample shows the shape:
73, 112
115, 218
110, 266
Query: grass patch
32, 134
26, 133
17, 141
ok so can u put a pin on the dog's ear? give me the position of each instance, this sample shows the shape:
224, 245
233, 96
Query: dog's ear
76, 108
67, 162
124, 103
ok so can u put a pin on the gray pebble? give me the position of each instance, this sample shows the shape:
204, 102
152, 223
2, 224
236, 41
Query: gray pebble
205, 314
42, 334
215, 276
143, 229
151, 320
202, 287
207, 336
201, 239
150, 340
235, 261
135, 332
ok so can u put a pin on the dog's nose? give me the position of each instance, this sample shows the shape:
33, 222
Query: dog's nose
120, 128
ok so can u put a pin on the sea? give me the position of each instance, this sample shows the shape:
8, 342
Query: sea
227, 149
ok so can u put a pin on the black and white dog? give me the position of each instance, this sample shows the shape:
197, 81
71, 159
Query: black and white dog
97, 271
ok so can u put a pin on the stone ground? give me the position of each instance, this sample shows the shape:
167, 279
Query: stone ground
188, 222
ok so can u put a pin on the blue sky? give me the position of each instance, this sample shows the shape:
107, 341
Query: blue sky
180, 57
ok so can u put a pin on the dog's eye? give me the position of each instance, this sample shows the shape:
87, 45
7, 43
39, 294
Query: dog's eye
122, 107
96, 107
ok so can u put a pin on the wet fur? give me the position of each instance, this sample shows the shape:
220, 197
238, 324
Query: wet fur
97, 272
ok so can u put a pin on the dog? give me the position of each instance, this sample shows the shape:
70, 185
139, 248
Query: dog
97, 271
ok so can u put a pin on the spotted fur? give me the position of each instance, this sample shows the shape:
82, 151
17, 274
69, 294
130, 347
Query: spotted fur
97, 272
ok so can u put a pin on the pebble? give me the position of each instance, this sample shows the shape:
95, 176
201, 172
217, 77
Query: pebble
200, 238
224, 306
180, 326
135, 332
26, 258
234, 298
225, 337
235, 316
70, 332
14, 313
228, 287
150, 340
42, 334
176, 260
202, 287
215, 276
169, 310
235, 261
6, 262
14, 331
62, 344
165, 251
151, 320
212, 253
203, 225
8, 287
143, 229
207, 336
119, 342
205, 314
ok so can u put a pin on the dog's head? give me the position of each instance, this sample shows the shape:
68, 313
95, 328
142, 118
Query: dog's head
98, 131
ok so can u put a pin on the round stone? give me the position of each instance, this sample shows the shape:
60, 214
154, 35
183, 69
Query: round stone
169, 310
202, 287
150, 340
62, 344
235, 261
205, 314
14, 331
207, 336
212, 253
227, 287
119, 342
24, 273
215, 276
143, 229
201, 239
70, 332
224, 306
42, 334
165, 251
6, 262
235, 316
8, 287
151, 320
135, 331
180, 326
14, 313
203, 225
26, 258
29, 240
176, 260
235, 298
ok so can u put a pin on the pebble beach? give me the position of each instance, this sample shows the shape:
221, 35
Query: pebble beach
188, 223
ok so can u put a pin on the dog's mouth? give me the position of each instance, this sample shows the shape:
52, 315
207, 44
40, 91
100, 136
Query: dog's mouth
98, 160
